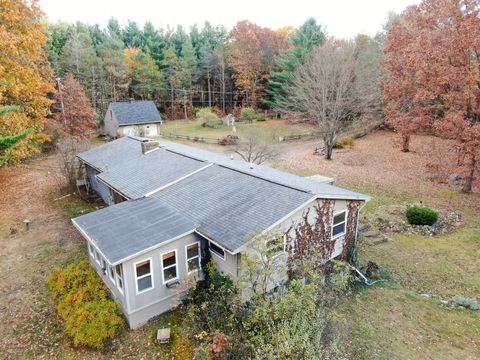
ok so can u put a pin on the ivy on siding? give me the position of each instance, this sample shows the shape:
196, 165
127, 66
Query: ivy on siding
312, 241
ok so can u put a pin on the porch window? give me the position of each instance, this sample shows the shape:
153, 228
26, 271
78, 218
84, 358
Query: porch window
97, 257
144, 276
119, 277
193, 257
339, 224
217, 250
92, 250
169, 266
111, 273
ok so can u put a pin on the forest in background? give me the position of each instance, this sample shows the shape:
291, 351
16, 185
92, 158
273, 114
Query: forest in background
181, 69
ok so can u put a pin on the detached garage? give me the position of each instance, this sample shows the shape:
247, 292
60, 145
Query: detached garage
135, 118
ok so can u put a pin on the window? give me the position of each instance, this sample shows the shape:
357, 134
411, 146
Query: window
339, 221
169, 266
119, 277
111, 273
193, 257
97, 257
144, 276
104, 266
217, 250
91, 249
275, 246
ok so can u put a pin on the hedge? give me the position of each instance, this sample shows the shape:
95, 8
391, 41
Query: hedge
90, 317
417, 215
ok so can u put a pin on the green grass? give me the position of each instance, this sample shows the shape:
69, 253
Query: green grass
268, 130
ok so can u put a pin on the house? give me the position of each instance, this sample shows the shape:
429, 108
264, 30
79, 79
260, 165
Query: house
170, 204
137, 118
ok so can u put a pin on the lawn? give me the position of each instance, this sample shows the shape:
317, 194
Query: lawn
269, 130
390, 321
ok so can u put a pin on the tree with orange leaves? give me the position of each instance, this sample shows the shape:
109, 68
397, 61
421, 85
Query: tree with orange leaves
433, 66
76, 117
251, 54
26, 76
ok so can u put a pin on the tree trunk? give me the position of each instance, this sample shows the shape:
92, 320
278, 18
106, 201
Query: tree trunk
185, 105
405, 143
209, 89
467, 186
329, 141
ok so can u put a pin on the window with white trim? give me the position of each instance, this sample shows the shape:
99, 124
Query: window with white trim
217, 250
143, 274
193, 257
97, 257
339, 224
92, 250
111, 273
169, 266
119, 277
275, 246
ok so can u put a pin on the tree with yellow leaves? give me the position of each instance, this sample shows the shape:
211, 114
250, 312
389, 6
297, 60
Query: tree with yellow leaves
26, 76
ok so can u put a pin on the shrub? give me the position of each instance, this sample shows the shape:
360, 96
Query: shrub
261, 117
209, 118
340, 144
90, 317
93, 322
247, 113
417, 215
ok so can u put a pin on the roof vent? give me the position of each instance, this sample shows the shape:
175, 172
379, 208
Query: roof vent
231, 156
148, 146
251, 165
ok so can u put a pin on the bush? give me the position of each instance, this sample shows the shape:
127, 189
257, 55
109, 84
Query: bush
261, 117
209, 118
90, 317
417, 215
93, 322
247, 113
340, 144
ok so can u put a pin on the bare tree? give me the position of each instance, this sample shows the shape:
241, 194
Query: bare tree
323, 89
68, 164
255, 150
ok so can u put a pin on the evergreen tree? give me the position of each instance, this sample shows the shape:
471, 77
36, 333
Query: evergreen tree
114, 67
155, 43
171, 68
305, 38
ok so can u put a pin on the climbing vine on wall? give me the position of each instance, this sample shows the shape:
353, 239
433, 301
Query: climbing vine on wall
349, 245
311, 240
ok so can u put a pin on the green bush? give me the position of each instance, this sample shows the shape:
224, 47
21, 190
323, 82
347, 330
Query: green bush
90, 317
247, 113
208, 118
93, 322
261, 117
417, 215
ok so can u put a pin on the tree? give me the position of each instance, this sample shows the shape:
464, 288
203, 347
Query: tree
115, 68
322, 89
26, 76
172, 67
254, 150
79, 58
8, 142
308, 35
433, 62
147, 81
77, 118
252, 50
188, 72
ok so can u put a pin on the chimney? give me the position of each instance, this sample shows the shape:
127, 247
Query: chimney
148, 146
131, 100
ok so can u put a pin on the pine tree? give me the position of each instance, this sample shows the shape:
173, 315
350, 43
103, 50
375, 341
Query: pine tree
305, 38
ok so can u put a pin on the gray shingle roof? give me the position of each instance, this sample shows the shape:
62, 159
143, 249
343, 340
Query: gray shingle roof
266, 172
114, 153
150, 172
135, 112
230, 206
128, 228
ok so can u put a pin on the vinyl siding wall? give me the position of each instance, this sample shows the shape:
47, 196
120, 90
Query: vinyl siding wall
99, 187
